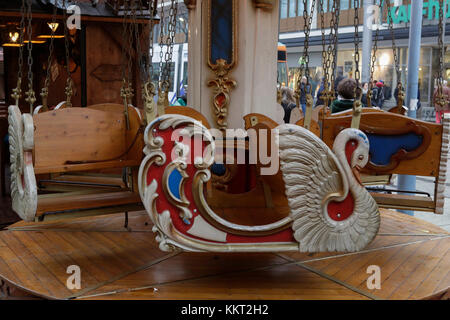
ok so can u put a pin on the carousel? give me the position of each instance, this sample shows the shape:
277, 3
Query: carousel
220, 199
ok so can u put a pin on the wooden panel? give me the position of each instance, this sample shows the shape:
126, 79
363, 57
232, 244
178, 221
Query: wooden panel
117, 264
385, 123
401, 201
189, 112
77, 134
96, 200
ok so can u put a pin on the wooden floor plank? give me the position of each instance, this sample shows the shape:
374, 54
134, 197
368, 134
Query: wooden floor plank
22, 271
283, 282
421, 271
117, 264
44, 275
54, 247
430, 285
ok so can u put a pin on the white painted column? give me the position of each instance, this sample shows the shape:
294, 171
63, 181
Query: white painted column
255, 71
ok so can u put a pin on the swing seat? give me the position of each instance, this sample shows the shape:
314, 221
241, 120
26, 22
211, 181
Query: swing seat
64, 143
181, 189
400, 145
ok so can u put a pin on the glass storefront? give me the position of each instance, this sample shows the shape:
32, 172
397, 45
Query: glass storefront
385, 69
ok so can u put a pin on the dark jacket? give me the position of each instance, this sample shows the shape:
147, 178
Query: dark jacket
341, 105
319, 100
288, 107
377, 97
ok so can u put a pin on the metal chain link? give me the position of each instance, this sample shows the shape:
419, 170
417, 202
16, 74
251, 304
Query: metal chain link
304, 66
161, 41
357, 105
372, 66
332, 47
153, 9
17, 92
325, 56
44, 92
69, 83
356, 36
171, 38
441, 99
30, 95
401, 91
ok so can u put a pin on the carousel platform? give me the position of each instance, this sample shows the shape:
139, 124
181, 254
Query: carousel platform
119, 263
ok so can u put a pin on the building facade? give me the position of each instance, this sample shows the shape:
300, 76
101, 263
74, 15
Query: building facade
292, 35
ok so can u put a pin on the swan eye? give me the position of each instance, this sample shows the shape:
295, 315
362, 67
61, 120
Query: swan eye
361, 157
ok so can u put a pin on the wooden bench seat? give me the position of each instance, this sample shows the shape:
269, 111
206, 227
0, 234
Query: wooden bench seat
83, 142
405, 202
86, 201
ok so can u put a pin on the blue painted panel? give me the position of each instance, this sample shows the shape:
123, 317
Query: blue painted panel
174, 183
382, 148
221, 30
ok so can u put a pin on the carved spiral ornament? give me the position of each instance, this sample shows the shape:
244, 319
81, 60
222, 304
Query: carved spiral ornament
23, 180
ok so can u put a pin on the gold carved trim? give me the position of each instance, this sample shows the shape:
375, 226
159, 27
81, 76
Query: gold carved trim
264, 4
222, 84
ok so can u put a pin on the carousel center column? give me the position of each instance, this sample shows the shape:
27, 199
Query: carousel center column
232, 65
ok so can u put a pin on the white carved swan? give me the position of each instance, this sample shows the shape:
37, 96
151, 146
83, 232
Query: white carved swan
23, 180
330, 209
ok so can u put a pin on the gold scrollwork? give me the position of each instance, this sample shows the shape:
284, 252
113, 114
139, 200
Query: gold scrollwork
222, 87
222, 84
149, 93
264, 4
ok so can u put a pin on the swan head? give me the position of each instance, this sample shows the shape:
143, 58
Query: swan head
352, 145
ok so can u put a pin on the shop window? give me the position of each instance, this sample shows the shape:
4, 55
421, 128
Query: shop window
284, 9
300, 7
345, 4
292, 8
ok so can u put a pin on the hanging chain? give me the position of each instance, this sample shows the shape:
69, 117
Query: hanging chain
17, 92
332, 47
44, 91
401, 90
372, 66
325, 57
165, 68
126, 91
357, 105
30, 96
171, 38
149, 89
304, 67
162, 23
441, 99
69, 83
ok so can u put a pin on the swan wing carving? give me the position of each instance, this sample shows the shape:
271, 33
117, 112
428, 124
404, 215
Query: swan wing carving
330, 209
23, 180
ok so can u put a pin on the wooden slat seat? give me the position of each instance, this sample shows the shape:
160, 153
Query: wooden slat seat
402, 201
86, 142
86, 201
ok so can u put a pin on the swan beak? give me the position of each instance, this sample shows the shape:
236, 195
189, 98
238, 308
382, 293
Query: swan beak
356, 172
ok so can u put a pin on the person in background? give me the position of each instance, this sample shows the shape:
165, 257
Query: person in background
319, 100
446, 108
365, 89
303, 94
338, 79
396, 92
287, 102
378, 95
346, 96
